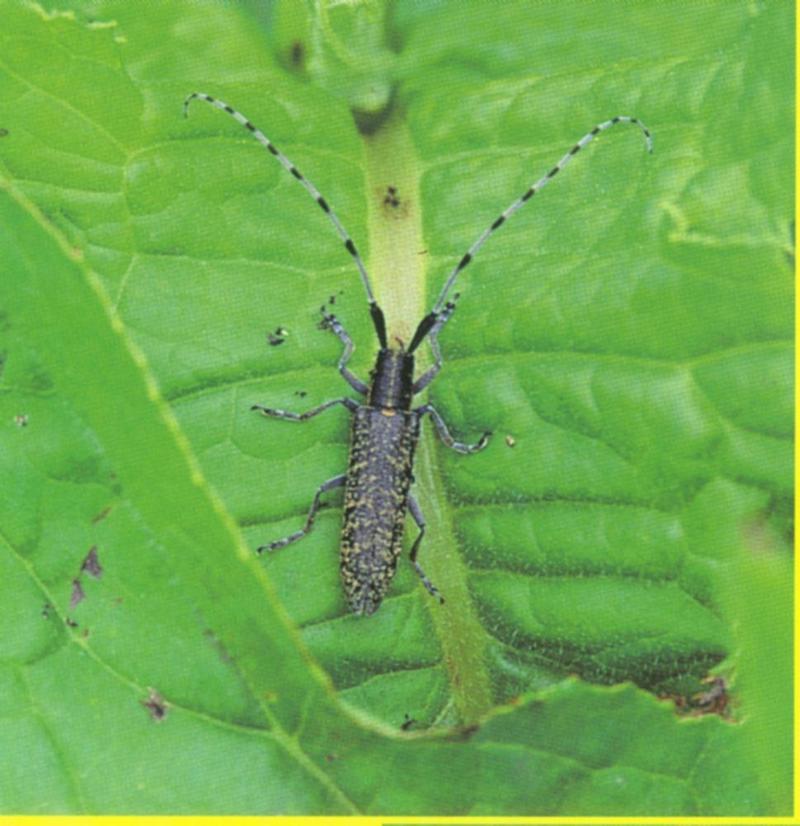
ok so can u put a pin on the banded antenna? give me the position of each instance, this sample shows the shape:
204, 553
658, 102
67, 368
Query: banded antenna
375, 311
430, 320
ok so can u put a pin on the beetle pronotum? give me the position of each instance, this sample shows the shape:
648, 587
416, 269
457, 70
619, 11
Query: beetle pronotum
385, 429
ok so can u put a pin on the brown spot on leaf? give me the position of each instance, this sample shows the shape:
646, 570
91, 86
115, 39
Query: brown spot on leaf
156, 705
77, 596
92, 564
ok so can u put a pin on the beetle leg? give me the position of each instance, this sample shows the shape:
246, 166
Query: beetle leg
444, 433
330, 322
336, 482
301, 417
416, 513
433, 336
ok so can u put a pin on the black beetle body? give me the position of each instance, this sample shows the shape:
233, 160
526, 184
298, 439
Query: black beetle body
379, 475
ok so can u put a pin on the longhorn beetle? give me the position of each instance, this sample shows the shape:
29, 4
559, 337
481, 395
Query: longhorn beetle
385, 430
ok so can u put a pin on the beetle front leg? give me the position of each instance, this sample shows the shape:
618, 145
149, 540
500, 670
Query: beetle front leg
444, 433
336, 482
301, 417
330, 322
416, 513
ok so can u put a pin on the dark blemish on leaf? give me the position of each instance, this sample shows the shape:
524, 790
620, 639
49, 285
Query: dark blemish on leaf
3, 132
92, 564
407, 723
422, 252
393, 205
715, 700
331, 301
21, 420
297, 54
301, 393
156, 705
102, 515
331, 757
77, 595
391, 198
276, 338
71, 622
46, 610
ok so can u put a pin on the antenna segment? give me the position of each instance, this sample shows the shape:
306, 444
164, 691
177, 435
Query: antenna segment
539, 185
377, 315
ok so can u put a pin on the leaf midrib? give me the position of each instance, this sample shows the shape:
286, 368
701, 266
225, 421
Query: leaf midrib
399, 274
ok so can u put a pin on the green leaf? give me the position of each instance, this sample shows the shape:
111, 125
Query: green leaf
627, 338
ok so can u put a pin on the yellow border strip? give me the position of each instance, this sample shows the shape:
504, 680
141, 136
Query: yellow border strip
137, 820
796, 789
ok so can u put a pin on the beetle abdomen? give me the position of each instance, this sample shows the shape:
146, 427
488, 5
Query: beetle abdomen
379, 475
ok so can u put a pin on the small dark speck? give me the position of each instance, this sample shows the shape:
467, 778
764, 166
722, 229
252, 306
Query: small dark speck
156, 705
77, 595
3, 132
46, 610
102, 515
21, 420
92, 564
274, 339
331, 757
301, 393
71, 622
391, 198
407, 723
332, 299
298, 53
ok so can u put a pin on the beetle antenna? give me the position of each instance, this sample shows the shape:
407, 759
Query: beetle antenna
375, 310
540, 184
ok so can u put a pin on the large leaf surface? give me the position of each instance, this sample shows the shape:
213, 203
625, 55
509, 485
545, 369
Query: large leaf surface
628, 334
